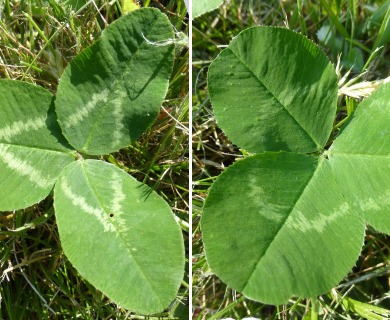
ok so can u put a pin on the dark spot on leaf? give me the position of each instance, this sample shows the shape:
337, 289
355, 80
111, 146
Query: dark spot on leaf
111, 215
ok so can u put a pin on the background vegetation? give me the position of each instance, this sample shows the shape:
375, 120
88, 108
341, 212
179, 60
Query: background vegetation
37, 40
355, 35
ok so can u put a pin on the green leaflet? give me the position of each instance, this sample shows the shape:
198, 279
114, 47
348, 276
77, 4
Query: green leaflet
112, 91
200, 7
284, 102
129, 5
360, 157
120, 235
32, 148
279, 224
275, 224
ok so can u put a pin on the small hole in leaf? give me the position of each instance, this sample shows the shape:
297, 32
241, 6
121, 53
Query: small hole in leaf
111, 215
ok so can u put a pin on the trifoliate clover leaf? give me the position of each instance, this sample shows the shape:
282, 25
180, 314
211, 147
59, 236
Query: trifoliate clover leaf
281, 222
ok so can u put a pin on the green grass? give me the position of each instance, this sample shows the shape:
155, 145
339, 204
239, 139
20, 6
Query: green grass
360, 32
37, 40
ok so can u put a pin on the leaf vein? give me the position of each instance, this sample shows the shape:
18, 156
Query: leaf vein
276, 99
283, 224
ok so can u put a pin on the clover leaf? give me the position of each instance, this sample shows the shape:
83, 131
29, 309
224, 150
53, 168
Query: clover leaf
118, 233
107, 223
290, 220
280, 87
33, 150
360, 156
112, 91
200, 7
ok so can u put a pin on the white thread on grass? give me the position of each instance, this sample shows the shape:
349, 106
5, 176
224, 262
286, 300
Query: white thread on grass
181, 40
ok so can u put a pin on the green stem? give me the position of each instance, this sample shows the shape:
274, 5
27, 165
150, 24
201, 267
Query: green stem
227, 309
314, 307
33, 25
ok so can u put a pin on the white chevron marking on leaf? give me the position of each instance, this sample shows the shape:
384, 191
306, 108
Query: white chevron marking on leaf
18, 127
24, 168
119, 195
303, 224
76, 118
81, 202
118, 116
116, 203
270, 211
